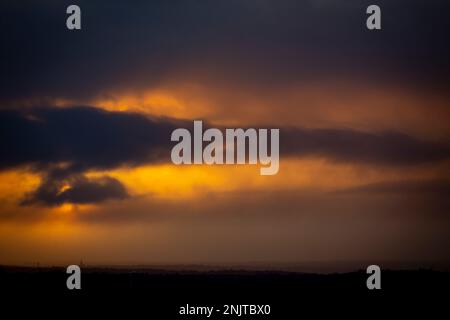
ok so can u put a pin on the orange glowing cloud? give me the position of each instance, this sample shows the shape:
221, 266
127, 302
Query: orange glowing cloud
345, 104
173, 182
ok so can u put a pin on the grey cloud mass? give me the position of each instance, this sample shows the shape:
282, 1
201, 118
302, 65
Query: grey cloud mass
76, 189
144, 43
90, 138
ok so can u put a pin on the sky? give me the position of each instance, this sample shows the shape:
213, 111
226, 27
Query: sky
86, 118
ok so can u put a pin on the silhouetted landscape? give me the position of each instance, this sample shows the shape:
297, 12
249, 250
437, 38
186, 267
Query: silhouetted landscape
163, 292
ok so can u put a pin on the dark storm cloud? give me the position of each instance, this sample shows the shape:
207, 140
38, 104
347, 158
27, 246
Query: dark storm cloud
141, 43
345, 145
63, 143
73, 140
76, 189
83, 137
